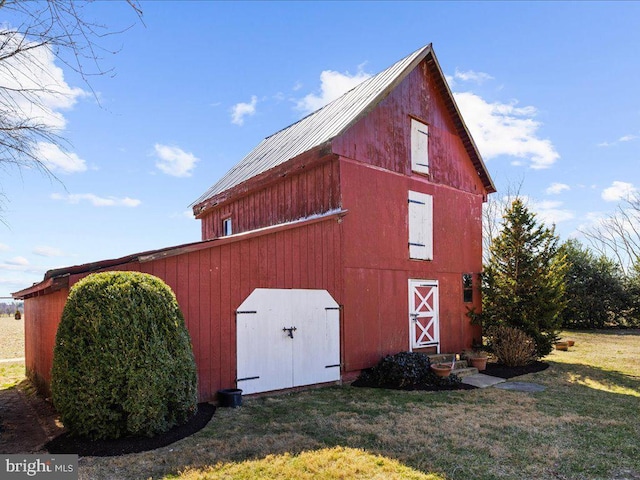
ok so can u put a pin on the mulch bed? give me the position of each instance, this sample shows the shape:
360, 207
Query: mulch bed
493, 369
427, 388
502, 371
83, 447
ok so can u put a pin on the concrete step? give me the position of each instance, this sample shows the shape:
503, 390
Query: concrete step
464, 372
461, 368
441, 357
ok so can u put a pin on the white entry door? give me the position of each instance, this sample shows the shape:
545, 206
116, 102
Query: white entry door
424, 326
287, 338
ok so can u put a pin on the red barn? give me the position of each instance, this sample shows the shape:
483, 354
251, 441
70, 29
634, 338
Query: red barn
352, 234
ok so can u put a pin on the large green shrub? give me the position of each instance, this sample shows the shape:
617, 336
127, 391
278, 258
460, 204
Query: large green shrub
123, 363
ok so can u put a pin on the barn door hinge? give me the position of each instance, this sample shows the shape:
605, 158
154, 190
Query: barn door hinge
242, 312
246, 378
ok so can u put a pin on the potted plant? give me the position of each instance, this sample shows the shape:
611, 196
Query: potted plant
441, 369
478, 359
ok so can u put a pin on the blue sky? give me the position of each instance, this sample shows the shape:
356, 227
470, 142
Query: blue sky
548, 90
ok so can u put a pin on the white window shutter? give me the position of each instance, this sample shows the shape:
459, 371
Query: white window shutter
420, 226
419, 147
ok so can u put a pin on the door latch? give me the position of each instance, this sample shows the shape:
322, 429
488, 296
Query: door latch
289, 331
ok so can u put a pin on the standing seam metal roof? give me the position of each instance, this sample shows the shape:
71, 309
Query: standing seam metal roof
317, 127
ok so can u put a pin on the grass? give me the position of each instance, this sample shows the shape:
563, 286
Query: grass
585, 425
12, 334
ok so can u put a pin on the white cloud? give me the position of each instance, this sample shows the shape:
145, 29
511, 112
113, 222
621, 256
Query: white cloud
557, 188
18, 261
550, 212
625, 138
174, 161
506, 129
4, 248
97, 201
332, 85
471, 76
618, 191
40, 90
241, 110
57, 160
46, 251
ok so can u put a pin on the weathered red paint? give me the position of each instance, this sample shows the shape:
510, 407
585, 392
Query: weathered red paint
210, 280
360, 255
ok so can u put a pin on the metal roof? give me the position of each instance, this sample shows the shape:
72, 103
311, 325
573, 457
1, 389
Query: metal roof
326, 124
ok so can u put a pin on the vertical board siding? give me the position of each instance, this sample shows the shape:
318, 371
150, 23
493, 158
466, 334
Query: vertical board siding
209, 285
42, 316
296, 196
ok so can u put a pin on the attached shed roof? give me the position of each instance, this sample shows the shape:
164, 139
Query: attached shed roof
334, 118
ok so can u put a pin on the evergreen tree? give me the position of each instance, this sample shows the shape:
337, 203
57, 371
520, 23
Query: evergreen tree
596, 295
523, 283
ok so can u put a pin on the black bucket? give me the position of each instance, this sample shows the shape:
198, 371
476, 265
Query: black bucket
230, 397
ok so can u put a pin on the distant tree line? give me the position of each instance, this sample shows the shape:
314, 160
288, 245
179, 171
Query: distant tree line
10, 308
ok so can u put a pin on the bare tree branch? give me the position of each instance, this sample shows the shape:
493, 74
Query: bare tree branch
618, 235
32, 87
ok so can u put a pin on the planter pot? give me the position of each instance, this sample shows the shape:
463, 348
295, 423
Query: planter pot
571, 343
230, 397
564, 346
479, 362
441, 369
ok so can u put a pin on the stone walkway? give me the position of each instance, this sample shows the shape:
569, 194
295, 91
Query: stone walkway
481, 380
26, 422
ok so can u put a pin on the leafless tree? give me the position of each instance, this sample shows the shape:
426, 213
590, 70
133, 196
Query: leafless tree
618, 235
492, 213
34, 34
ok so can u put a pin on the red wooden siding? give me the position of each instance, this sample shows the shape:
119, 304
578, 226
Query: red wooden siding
314, 190
210, 284
41, 317
383, 137
377, 269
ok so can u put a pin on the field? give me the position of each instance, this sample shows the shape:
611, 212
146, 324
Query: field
585, 425
12, 334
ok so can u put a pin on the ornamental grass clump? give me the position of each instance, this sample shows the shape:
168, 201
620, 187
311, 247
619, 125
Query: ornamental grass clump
123, 363
512, 346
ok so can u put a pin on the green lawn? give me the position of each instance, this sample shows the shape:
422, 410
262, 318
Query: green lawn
584, 426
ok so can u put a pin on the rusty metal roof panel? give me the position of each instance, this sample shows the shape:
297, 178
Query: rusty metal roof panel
317, 127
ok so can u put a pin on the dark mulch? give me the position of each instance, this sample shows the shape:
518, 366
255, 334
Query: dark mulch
109, 448
493, 369
360, 382
502, 371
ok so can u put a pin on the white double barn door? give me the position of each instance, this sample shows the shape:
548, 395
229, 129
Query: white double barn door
287, 338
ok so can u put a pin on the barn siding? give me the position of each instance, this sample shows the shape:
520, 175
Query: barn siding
41, 317
383, 137
209, 284
294, 196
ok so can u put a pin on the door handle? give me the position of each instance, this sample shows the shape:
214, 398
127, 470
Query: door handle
289, 331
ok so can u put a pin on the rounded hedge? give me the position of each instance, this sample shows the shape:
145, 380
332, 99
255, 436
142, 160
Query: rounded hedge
123, 363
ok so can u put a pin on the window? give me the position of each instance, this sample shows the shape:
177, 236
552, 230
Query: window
420, 226
226, 227
467, 287
419, 146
